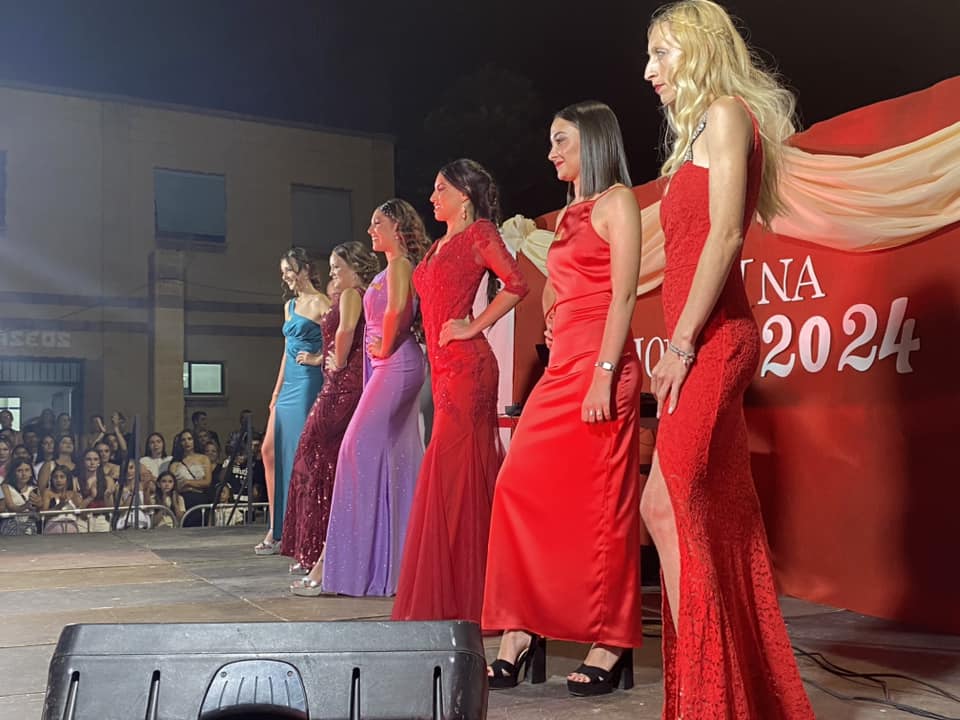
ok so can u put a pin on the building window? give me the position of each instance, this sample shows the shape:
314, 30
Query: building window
13, 404
3, 189
322, 219
189, 206
203, 378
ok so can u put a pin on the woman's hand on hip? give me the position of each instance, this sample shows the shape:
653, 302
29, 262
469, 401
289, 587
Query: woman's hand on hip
456, 329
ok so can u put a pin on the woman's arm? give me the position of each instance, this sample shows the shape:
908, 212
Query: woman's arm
728, 138
399, 272
616, 217
283, 362
493, 255
43, 477
351, 309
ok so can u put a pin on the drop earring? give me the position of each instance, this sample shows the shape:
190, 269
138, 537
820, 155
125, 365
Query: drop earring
463, 211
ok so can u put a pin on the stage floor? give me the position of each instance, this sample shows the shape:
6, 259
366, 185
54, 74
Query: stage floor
211, 575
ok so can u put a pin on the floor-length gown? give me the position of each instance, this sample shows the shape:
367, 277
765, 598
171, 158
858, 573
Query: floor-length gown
731, 659
301, 383
378, 463
315, 464
564, 553
445, 556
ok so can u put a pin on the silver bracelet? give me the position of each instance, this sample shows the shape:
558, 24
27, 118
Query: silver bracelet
686, 357
605, 365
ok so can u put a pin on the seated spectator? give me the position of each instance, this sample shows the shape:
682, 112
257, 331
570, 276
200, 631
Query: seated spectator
60, 495
96, 491
46, 453
6, 426
64, 426
97, 431
225, 514
47, 422
65, 456
194, 475
154, 461
6, 453
20, 452
199, 419
121, 441
110, 469
125, 509
167, 495
32, 442
237, 437
20, 495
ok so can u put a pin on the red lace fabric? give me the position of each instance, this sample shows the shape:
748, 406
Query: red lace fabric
444, 556
731, 658
315, 463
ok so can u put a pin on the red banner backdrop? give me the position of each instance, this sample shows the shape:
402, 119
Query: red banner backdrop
855, 408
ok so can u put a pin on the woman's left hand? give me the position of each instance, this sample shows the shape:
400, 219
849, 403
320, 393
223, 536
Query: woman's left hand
305, 358
456, 329
666, 380
596, 404
375, 349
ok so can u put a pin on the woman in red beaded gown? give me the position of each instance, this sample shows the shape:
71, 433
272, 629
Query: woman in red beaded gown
564, 553
352, 267
726, 652
444, 556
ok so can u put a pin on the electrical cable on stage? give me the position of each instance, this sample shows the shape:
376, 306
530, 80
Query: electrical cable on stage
842, 672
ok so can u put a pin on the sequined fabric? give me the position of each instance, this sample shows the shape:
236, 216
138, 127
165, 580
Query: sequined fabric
378, 462
301, 384
445, 556
315, 463
564, 554
731, 657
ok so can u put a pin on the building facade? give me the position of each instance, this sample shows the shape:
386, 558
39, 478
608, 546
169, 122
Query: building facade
140, 246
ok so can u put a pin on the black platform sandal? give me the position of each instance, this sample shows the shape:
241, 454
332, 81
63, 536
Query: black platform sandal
532, 661
603, 681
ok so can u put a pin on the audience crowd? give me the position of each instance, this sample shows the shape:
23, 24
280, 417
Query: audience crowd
50, 469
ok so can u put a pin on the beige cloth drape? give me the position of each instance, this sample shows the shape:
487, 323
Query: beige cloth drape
856, 204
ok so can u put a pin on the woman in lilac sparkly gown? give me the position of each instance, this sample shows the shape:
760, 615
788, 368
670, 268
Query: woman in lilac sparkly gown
382, 448
352, 268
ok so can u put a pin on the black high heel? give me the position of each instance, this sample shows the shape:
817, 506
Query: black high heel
532, 661
603, 681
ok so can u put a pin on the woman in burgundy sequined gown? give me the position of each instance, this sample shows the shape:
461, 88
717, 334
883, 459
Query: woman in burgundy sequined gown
352, 267
444, 557
726, 652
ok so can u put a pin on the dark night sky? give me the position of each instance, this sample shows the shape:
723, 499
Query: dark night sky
386, 66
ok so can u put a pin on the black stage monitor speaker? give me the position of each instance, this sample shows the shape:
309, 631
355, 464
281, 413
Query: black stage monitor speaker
302, 671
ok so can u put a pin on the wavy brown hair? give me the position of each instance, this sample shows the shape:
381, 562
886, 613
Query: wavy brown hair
299, 258
410, 227
716, 61
361, 259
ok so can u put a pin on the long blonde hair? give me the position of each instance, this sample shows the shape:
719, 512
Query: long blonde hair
715, 61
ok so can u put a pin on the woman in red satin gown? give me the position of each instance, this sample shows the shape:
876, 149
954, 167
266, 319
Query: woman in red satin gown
563, 560
352, 267
444, 556
726, 652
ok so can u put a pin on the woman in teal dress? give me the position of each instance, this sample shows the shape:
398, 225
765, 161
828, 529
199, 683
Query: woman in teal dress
298, 384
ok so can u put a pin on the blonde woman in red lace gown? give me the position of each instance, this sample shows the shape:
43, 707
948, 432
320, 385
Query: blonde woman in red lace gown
726, 652
444, 557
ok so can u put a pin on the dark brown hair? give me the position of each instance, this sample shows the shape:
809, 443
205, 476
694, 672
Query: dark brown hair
409, 225
472, 179
603, 162
361, 259
299, 258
